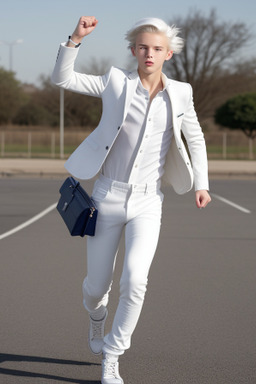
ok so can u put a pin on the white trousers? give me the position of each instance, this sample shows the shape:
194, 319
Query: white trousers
138, 210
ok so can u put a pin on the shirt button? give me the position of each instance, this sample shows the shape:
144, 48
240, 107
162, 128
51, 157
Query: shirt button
146, 136
149, 119
136, 166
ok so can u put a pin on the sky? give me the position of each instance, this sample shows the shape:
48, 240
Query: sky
43, 25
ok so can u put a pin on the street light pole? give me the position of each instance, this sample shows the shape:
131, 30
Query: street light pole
10, 45
61, 123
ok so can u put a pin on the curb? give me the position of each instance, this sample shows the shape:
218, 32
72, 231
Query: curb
54, 168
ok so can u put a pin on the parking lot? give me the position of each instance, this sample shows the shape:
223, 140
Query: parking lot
198, 322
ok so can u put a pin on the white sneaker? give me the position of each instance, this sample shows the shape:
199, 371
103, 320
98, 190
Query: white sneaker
96, 334
110, 371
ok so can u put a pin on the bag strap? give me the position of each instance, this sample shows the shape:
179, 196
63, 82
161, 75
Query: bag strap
74, 182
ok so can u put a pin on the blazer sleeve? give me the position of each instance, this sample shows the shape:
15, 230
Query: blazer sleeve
64, 75
196, 144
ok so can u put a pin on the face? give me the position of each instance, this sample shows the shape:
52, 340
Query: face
151, 51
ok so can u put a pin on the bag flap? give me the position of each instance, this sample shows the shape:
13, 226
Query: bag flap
69, 184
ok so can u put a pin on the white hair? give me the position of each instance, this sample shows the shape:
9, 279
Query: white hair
154, 25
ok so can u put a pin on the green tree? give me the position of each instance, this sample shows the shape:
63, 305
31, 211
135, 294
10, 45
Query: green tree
11, 96
81, 110
239, 113
32, 113
43, 108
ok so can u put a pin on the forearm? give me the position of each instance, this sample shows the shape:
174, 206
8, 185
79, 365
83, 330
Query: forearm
196, 144
64, 75
63, 71
200, 167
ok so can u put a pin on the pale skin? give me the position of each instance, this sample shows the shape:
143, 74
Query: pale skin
151, 51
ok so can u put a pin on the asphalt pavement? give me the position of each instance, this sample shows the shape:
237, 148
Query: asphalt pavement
198, 321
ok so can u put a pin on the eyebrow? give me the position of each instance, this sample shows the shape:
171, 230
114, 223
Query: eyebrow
145, 45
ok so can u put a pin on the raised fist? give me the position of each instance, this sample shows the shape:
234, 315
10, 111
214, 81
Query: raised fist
85, 26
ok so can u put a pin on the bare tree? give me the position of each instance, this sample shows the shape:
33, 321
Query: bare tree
210, 48
96, 67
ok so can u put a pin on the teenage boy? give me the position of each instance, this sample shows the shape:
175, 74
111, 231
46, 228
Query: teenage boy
136, 145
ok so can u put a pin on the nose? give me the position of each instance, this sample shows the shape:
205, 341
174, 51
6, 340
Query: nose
149, 53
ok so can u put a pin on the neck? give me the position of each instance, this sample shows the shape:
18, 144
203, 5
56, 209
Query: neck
152, 82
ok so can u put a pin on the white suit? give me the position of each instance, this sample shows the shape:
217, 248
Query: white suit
135, 208
116, 89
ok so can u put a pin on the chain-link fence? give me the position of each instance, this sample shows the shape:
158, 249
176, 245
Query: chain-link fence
31, 144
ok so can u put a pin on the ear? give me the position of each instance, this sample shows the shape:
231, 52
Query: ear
133, 51
169, 55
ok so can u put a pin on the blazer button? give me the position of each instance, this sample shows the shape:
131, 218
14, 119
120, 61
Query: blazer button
118, 128
107, 147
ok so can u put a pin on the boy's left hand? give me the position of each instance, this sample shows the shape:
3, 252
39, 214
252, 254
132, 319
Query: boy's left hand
202, 198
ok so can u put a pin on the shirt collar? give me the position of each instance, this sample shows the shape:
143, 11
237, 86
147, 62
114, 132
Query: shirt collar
165, 81
133, 75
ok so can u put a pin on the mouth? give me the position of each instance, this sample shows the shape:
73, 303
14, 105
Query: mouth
149, 63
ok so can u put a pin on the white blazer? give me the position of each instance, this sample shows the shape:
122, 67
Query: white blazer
116, 90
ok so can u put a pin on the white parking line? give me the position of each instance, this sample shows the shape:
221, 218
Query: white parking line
53, 206
239, 207
28, 222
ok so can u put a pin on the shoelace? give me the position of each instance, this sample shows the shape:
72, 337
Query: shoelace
97, 329
110, 369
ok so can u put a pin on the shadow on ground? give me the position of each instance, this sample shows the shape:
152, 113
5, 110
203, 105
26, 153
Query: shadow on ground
35, 359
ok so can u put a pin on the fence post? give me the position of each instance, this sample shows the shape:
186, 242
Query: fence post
2, 143
224, 145
53, 144
29, 144
250, 148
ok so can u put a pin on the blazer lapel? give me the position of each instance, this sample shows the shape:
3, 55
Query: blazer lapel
171, 92
131, 85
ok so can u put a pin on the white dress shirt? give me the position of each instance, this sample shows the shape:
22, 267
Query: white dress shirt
139, 152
